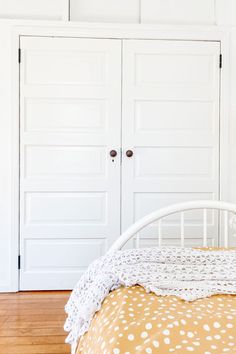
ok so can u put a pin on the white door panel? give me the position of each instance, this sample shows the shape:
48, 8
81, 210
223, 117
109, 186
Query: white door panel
173, 162
65, 161
80, 115
62, 261
170, 121
70, 119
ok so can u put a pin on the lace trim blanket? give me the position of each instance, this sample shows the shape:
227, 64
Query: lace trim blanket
184, 272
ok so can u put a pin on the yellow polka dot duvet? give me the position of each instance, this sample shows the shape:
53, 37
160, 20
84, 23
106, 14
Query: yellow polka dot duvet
158, 300
134, 321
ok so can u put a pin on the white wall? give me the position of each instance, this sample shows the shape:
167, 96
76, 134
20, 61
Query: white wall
226, 16
105, 10
34, 9
134, 11
5, 158
156, 11
225, 12
232, 128
146, 11
178, 12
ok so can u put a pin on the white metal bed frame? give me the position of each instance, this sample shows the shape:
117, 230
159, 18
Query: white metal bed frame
181, 208
158, 215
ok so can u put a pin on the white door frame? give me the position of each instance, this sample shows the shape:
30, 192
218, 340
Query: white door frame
118, 31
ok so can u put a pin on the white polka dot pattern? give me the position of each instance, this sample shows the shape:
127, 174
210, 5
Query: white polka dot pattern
162, 325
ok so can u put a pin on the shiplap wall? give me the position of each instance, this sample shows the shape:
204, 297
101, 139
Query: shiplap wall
181, 11
131, 11
144, 11
34, 9
105, 10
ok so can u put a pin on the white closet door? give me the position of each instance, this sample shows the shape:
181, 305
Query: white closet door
69, 185
171, 123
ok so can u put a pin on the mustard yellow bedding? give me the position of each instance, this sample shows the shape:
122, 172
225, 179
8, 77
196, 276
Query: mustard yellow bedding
133, 321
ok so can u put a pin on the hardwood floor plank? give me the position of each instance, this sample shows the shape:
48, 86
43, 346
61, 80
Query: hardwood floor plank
32, 340
34, 298
35, 349
19, 332
3, 320
34, 311
23, 303
27, 318
36, 295
32, 323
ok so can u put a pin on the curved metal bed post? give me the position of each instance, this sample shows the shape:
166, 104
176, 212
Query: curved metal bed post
172, 209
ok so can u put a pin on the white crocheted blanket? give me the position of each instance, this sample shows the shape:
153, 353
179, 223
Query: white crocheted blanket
184, 272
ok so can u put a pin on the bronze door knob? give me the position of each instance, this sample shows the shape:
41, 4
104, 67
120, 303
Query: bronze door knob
129, 153
113, 153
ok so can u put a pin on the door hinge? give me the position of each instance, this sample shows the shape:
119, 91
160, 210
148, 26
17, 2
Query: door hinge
220, 62
19, 55
120, 155
19, 259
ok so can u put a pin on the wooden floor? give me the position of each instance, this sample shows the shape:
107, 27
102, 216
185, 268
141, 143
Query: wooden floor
32, 322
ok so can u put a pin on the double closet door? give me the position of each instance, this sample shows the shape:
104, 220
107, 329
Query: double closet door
111, 130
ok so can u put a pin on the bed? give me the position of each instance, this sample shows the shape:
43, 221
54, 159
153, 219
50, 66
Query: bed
135, 319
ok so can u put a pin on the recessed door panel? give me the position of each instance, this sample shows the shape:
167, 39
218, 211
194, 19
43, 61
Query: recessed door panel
69, 114
47, 161
65, 208
176, 116
173, 162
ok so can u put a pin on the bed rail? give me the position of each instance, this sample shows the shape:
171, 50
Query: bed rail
158, 215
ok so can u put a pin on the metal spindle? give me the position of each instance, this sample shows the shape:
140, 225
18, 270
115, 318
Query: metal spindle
204, 227
137, 241
182, 229
226, 228
159, 233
